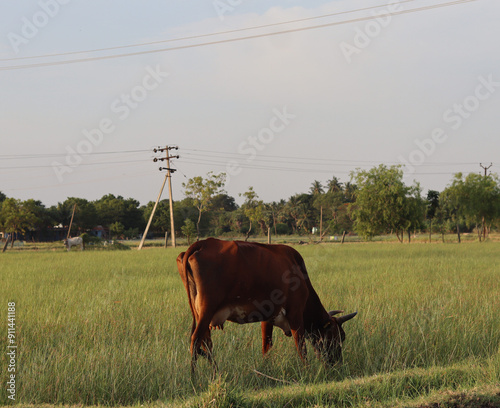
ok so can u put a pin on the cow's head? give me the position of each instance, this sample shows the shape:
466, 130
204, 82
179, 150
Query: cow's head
331, 336
65, 242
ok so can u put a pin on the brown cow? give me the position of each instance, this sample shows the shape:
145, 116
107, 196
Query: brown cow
247, 282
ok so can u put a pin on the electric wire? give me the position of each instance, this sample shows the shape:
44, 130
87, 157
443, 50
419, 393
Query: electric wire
228, 40
205, 35
302, 159
200, 156
52, 155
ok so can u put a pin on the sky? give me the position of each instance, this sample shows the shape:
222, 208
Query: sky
275, 94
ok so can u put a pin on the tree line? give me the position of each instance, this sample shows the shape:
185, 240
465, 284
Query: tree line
373, 202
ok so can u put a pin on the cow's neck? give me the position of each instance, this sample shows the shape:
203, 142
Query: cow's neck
315, 315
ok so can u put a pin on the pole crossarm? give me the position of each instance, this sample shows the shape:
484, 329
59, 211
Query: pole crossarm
486, 168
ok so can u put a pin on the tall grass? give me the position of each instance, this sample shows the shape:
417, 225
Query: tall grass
113, 327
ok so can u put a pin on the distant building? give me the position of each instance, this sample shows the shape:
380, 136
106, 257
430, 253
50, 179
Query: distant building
99, 232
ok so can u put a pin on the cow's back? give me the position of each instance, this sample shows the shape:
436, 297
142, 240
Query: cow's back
237, 273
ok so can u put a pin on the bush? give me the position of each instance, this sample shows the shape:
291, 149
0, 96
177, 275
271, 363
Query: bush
283, 229
90, 239
117, 246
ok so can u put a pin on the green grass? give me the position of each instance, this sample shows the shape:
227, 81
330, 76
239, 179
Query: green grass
112, 328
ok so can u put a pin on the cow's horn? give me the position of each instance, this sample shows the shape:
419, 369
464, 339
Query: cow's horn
345, 318
335, 312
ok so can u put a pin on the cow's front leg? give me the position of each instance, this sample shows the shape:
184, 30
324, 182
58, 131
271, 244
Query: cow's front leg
267, 336
300, 343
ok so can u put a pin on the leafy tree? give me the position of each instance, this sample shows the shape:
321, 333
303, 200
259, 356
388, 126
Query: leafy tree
111, 209
350, 192
477, 199
132, 215
483, 201
238, 221
43, 217
432, 208
451, 202
384, 203
131, 233
415, 213
202, 191
188, 229
85, 213
253, 208
161, 219
276, 210
224, 202
2, 197
117, 229
332, 205
220, 215
17, 217
294, 212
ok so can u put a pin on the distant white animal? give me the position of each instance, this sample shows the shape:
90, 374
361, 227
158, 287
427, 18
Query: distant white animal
68, 243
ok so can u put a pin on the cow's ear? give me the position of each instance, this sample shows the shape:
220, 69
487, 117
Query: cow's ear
335, 312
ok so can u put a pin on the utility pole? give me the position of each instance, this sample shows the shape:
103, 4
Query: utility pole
486, 168
169, 177
71, 222
170, 199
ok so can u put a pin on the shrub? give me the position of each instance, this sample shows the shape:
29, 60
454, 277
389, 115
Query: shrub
282, 229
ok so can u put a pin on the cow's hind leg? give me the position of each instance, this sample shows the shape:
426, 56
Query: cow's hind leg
201, 342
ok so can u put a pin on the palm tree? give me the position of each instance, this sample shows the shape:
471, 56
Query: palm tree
350, 192
334, 185
316, 188
276, 209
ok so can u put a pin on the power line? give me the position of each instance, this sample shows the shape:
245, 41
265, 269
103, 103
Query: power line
230, 40
297, 167
313, 160
217, 158
55, 155
47, 166
205, 35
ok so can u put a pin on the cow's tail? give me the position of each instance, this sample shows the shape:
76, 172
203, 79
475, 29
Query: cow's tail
187, 271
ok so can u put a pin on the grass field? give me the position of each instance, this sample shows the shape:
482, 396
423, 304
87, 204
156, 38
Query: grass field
112, 328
